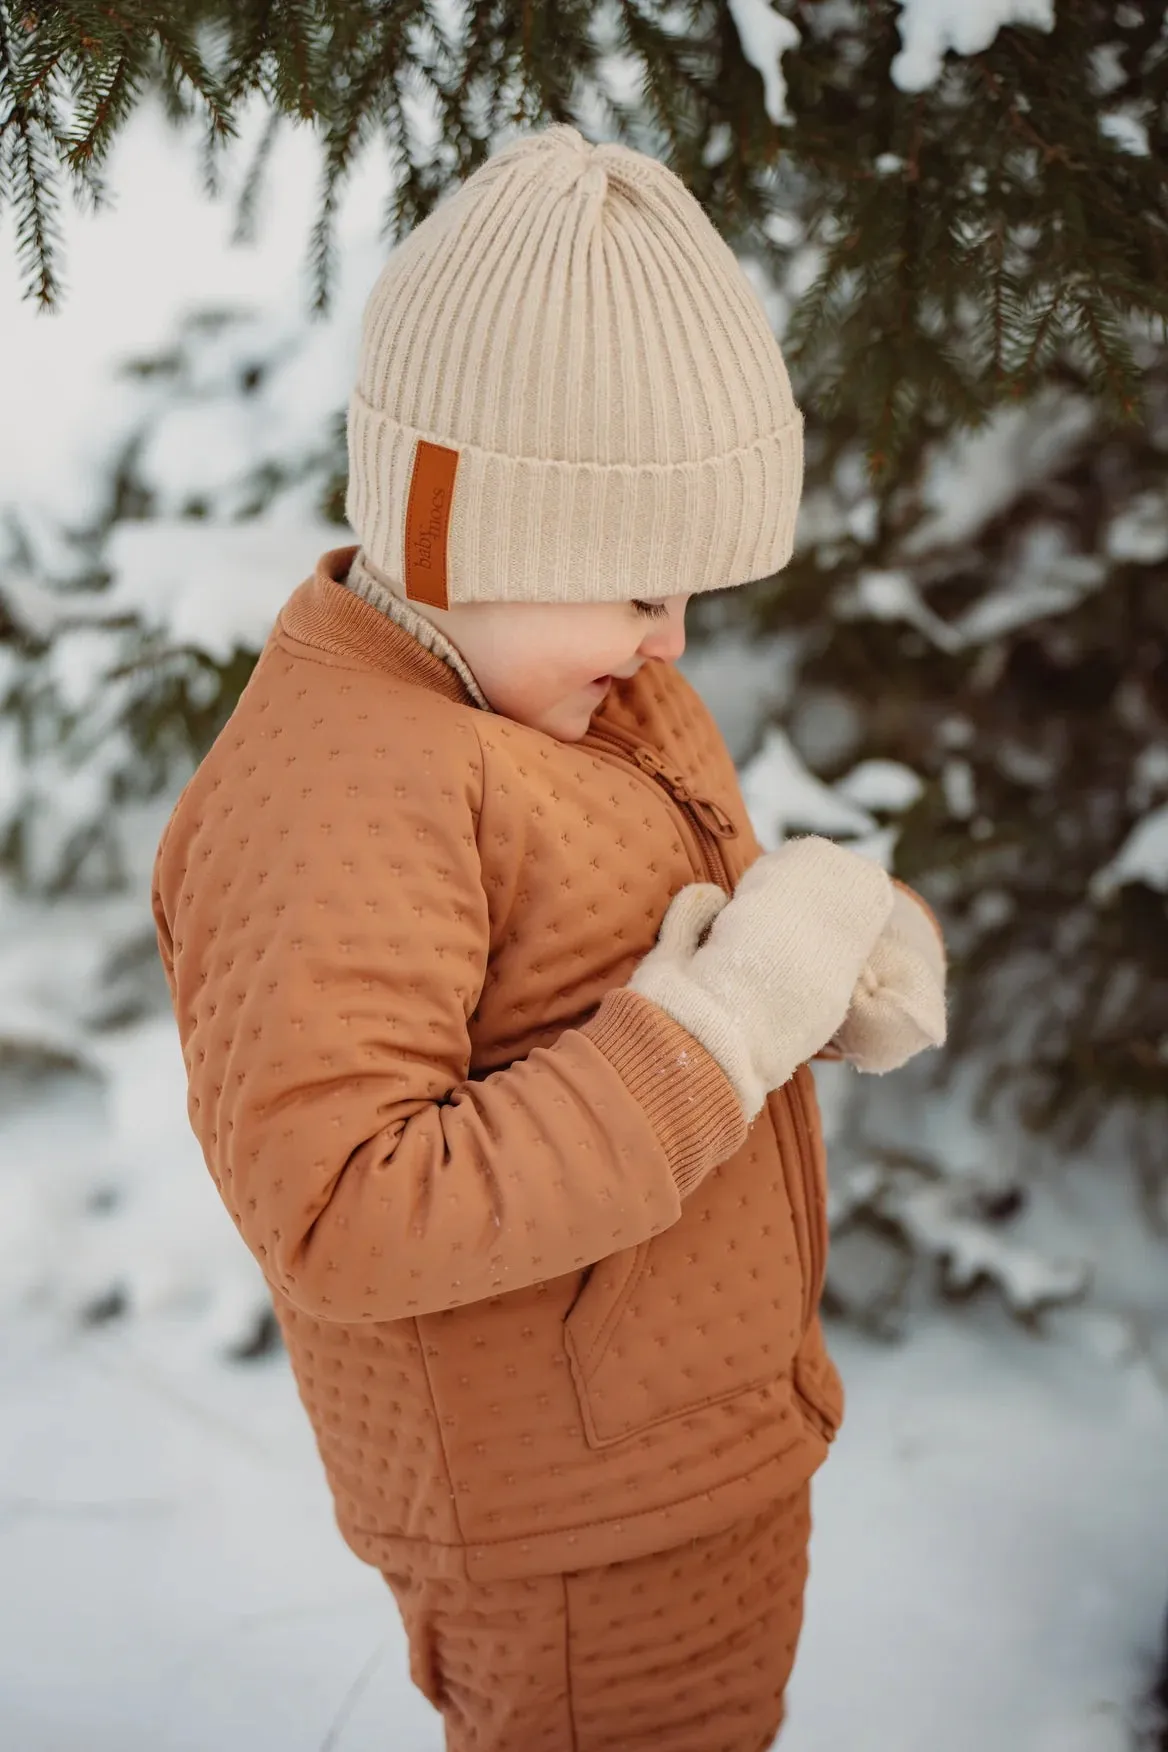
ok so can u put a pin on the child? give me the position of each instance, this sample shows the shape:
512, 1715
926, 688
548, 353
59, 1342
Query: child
507, 1096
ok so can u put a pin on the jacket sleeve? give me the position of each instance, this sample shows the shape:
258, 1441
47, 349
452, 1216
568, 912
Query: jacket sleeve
323, 979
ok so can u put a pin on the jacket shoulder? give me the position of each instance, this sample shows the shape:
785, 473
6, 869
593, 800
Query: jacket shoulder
310, 745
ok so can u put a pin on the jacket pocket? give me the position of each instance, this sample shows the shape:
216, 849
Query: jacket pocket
589, 1325
698, 1314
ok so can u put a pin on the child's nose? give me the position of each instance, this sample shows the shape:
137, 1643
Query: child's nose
666, 640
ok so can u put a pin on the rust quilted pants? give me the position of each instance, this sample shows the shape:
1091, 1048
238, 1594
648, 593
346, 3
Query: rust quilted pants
687, 1650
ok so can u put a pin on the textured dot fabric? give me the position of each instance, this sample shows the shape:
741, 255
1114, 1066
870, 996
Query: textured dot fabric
585, 350
686, 1650
549, 1300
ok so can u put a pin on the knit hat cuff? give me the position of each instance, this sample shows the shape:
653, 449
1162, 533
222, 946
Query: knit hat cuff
528, 529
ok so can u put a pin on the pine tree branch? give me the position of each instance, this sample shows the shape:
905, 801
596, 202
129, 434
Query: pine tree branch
32, 194
251, 33
300, 94
111, 107
249, 194
1111, 353
998, 254
1039, 346
338, 152
181, 56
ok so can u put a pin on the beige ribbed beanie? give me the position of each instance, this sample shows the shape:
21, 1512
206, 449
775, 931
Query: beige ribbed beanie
569, 391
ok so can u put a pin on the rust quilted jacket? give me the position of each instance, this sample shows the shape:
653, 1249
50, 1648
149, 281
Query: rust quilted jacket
548, 1301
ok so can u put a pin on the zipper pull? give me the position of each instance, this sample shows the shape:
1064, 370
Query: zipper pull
651, 762
715, 818
712, 816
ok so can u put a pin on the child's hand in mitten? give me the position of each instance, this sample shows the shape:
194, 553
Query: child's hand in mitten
763, 979
898, 1007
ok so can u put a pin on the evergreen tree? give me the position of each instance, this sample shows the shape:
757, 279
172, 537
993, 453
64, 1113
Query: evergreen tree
970, 277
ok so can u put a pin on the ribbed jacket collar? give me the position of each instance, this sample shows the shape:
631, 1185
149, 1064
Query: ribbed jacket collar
323, 613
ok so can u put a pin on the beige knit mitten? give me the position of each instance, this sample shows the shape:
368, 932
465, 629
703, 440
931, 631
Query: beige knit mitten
772, 980
898, 1007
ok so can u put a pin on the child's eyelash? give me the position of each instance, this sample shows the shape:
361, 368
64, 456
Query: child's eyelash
654, 610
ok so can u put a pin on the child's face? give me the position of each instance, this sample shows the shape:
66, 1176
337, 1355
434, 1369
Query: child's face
550, 664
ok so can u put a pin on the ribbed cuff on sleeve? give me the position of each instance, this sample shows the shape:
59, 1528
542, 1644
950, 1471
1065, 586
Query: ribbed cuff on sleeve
690, 1102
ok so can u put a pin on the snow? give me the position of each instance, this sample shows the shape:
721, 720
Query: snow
214, 587
1143, 857
930, 1217
46, 981
1140, 531
1106, 64
957, 1479
766, 35
175, 1580
743, 680
885, 785
957, 785
52, 460
990, 1560
179, 1579
1127, 130
928, 28
972, 476
1149, 773
784, 797
1045, 578
889, 595
77, 663
167, 1242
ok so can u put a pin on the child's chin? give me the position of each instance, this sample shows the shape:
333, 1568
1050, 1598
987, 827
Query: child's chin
570, 721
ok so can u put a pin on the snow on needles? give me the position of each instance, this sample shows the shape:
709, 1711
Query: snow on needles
1143, 857
766, 36
213, 588
928, 28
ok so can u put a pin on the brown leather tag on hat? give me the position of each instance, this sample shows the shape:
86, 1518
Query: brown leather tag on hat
427, 522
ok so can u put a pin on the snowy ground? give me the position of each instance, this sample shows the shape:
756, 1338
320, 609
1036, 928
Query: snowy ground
991, 1556
989, 1561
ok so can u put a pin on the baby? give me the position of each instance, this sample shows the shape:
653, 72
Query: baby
496, 1018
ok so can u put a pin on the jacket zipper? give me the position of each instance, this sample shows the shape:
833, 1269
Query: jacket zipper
711, 826
814, 1251
709, 820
